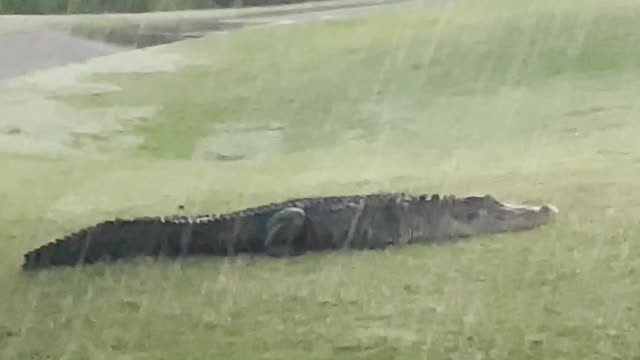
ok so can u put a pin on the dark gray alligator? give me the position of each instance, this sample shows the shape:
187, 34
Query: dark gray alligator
292, 227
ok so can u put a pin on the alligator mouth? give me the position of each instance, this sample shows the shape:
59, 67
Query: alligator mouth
547, 207
523, 216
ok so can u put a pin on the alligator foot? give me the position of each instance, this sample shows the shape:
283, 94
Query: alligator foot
283, 228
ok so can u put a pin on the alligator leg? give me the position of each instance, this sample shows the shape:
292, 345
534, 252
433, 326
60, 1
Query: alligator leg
283, 229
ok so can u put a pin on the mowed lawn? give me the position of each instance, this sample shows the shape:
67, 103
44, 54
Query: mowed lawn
529, 102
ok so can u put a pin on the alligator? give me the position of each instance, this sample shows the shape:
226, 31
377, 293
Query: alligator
293, 227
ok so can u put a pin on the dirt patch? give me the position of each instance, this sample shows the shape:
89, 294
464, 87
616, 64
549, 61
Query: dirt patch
230, 143
41, 125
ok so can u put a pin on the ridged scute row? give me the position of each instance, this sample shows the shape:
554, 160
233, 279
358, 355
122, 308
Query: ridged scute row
164, 235
95, 242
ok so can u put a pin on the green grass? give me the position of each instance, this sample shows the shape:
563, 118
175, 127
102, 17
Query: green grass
529, 103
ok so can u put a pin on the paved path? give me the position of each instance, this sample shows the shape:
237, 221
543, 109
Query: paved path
25, 52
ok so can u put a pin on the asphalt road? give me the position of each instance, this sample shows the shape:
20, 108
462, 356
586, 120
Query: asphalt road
25, 52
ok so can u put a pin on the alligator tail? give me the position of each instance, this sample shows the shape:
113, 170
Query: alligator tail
120, 239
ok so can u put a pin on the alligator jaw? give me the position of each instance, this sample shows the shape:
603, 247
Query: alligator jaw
525, 216
543, 208
476, 215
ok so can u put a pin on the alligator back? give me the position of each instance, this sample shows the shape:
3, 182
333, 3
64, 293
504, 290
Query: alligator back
223, 235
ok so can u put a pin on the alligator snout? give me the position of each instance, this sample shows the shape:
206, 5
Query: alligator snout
549, 209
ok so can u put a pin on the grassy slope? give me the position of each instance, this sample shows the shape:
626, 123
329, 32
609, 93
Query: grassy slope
529, 104
90, 23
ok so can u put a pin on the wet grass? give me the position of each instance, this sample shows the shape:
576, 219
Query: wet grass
527, 104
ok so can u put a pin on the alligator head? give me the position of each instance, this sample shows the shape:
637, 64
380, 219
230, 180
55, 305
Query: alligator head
452, 217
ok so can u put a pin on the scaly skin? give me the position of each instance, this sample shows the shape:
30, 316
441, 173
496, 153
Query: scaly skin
292, 227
